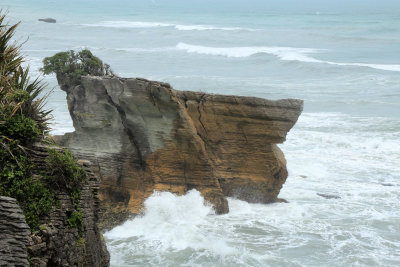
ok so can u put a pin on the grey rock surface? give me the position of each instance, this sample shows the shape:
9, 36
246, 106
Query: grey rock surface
14, 233
48, 20
58, 244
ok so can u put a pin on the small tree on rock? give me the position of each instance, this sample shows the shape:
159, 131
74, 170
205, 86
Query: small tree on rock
75, 65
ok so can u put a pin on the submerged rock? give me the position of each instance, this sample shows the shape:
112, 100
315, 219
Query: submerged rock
143, 136
48, 20
387, 184
327, 196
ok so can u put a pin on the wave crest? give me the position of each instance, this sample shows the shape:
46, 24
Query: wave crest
283, 53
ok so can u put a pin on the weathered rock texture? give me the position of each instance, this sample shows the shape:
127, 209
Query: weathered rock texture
14, 233
58, 244
143, 136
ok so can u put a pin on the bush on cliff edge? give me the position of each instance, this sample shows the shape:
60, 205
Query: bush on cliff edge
75, 65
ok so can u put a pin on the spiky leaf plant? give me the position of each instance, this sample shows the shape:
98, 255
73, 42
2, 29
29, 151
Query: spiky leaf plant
19, 96
23, 121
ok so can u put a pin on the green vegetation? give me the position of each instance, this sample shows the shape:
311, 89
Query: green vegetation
81, 242
67, 176
23, 121
74, 65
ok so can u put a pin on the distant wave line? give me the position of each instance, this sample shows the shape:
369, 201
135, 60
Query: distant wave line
283, 53
180, 27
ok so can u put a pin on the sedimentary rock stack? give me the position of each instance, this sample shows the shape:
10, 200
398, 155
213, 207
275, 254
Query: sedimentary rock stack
143, 136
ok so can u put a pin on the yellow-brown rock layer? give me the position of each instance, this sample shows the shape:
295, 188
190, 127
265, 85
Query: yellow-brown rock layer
145, 136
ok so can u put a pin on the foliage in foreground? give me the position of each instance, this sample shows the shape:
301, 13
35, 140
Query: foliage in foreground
66, 175
23, 121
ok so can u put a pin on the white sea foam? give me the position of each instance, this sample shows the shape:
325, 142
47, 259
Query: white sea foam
180, 27
389, 67
170, 222
283, 53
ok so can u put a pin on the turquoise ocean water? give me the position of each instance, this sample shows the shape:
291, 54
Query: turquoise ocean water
342, 58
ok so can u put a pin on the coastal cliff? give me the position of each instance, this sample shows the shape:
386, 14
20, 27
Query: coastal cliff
60, 241
14, 233
143, 136
57, 242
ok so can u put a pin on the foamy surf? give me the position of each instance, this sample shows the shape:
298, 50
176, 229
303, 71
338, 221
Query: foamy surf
170, 223
284, 53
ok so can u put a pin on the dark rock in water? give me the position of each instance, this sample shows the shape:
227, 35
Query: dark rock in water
14, 233
328, 196
384, 184
143, 136
48, 20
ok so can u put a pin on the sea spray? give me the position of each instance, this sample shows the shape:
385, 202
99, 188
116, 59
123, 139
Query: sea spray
171, 225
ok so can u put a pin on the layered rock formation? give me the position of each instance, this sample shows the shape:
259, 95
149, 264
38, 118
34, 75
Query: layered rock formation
56, 243
14, 233
143, 136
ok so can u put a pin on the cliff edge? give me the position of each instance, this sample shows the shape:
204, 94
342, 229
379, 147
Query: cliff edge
143, 136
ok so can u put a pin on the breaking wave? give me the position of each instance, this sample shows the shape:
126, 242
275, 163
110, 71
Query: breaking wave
283, 53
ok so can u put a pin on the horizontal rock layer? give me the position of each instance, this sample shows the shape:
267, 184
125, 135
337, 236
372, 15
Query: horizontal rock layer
143, 136
14, 233
59, 244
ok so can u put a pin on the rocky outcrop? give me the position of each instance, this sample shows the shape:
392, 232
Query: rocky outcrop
56, 243
143, 136
14, 233
48, 20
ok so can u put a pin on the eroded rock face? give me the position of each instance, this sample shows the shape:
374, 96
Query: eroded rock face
143, 136
14, 233
56, 243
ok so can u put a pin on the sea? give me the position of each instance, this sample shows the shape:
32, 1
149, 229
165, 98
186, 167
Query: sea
341, 57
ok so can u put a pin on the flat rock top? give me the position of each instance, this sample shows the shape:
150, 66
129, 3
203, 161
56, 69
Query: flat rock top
289, 103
